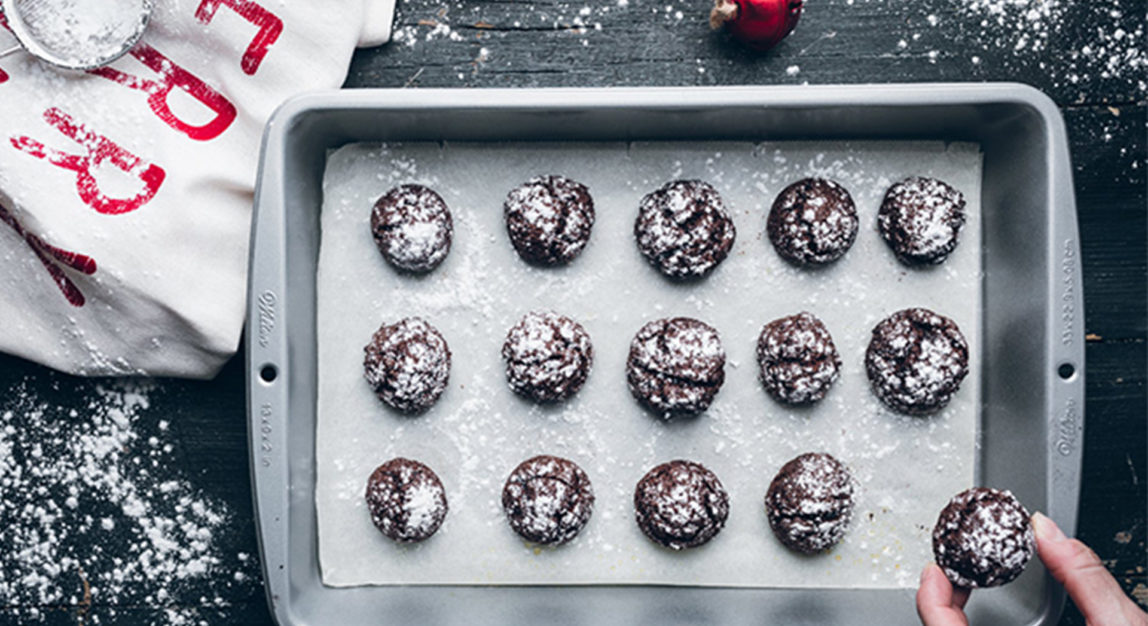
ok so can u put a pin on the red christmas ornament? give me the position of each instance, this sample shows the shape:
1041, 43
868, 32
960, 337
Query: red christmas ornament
759, 24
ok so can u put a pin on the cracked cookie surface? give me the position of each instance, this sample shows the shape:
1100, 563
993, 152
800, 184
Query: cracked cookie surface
549, 219
548, 356
683, 229
548, 500
797, 359
681, 504
406, 500
407, 364
916, 361
921, 220
676, 366
810, 503
412, 227
983, 538
812, 222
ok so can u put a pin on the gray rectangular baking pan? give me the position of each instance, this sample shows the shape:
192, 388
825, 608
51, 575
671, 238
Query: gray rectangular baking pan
1033, 381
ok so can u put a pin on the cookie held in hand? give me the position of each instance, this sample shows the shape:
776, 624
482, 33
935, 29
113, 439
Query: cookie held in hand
983, 538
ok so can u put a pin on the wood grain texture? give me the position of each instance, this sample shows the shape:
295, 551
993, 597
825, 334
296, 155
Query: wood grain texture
515, 43
519, 43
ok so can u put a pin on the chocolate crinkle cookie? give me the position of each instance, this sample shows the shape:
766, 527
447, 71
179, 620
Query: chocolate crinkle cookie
548, 500
681, 504
548, 356
812, 222
797, 358
921, 219
983, 538
412, 227
683, 229
549, 219
676, 366
406, 500
810, 503
407, 364
916, 361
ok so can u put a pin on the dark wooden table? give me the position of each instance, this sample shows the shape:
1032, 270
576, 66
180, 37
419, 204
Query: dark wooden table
1074, 55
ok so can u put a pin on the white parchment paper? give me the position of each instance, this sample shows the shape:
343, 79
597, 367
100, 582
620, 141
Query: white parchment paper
907, 467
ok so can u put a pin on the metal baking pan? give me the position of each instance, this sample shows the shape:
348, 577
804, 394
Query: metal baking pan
1033, 340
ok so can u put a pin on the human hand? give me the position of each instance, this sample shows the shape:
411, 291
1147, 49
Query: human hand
1095, 592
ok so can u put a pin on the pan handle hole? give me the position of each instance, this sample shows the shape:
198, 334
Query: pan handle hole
1066, 371
268, 373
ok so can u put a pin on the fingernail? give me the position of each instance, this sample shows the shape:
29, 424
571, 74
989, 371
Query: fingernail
1046, 529
925, 572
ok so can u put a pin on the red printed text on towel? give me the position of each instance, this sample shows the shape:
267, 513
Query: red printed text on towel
52, 258
98, 151
173, 76
269, 25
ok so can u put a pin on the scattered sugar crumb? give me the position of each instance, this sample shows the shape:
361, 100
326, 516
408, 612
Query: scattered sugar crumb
84, 513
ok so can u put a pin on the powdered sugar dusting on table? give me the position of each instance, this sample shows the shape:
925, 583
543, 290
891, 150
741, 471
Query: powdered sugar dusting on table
85, 521
480, 430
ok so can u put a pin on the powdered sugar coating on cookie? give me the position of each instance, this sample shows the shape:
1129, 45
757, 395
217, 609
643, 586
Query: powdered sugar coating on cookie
407, 364
916, 361
812, 222
921, 219
549, 219
548, 500
681, 504
683, 228
548, 356
676, 366
412, 227
406, 500
798, 360
983, 538
810, 502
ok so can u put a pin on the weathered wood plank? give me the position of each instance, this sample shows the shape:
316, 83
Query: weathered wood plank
659, 42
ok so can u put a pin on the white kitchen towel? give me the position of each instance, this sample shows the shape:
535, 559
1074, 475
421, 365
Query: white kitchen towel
126, 192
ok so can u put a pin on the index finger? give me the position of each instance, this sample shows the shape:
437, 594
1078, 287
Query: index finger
1089, 584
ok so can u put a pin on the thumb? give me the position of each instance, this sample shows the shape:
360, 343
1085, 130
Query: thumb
938, 604
1095, 592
